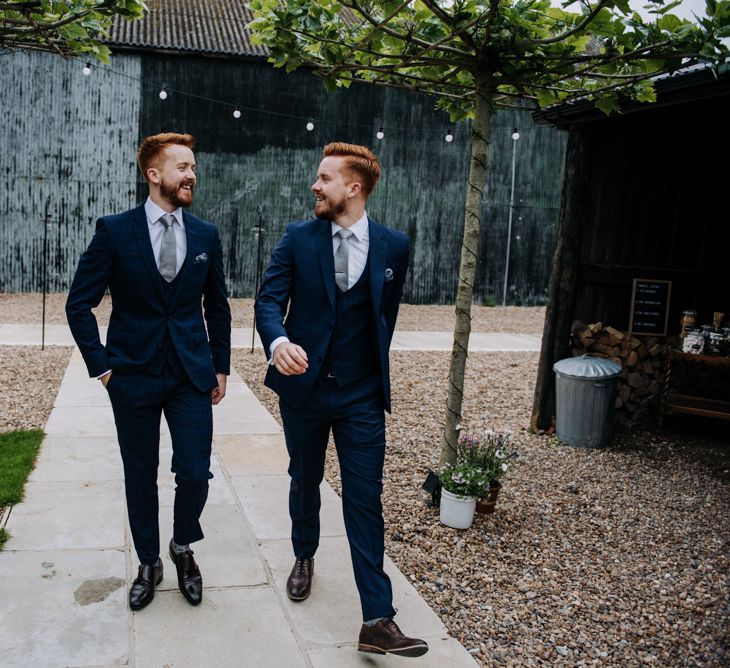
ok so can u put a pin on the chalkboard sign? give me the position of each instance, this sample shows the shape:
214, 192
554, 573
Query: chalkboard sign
650, 306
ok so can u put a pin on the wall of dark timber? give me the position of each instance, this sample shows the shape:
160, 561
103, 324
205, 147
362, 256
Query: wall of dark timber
656, 209
67, 149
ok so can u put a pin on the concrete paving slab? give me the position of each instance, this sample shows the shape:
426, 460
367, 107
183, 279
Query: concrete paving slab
68, 516
82, 392
65, 459
245, 628
228, 556
69, 608
242, 413
90, 421
478, 341
241, 338
265, 499
244, 454
442, 653
332, 613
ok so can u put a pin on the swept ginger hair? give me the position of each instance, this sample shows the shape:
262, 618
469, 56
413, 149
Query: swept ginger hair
151, 148
360, 163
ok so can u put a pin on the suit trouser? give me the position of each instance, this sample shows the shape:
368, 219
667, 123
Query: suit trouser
138, 400
355, 415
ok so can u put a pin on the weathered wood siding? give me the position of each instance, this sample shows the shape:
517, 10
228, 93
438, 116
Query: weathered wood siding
80, 133
64, 149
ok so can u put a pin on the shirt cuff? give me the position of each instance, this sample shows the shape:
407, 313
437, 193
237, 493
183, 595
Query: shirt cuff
104, 374
274, 344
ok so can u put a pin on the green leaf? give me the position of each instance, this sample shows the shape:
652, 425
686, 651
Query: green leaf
607, 103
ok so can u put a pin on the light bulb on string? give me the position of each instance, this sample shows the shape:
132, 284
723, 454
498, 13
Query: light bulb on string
237, 112
310, 125
515, 134
86, 70
449, 136
163, 93
380, 134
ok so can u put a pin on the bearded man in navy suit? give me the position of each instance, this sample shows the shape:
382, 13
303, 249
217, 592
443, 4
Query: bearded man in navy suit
326, 313
159, 262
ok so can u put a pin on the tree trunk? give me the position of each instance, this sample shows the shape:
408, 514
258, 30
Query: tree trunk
480, 131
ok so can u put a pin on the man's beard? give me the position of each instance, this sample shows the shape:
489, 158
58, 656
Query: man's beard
175, 196
329, 212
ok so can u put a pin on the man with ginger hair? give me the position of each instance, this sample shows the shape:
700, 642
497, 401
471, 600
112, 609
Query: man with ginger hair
158, 262
326, 313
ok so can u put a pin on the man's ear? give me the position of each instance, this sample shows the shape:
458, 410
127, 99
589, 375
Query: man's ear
153, 175
355, 188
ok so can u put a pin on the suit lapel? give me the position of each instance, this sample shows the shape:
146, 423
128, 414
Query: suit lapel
142, 235
327, 260
378, 252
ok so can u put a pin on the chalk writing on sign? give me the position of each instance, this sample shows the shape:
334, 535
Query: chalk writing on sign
649, 306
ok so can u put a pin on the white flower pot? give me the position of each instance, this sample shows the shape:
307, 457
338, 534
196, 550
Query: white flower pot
457, 511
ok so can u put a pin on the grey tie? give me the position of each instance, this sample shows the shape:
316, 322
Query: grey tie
168, 250
341, 260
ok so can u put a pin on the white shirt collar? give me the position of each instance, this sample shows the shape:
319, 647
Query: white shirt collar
154, 213
359, 229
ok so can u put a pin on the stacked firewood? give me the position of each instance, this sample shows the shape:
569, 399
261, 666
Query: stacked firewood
642, 366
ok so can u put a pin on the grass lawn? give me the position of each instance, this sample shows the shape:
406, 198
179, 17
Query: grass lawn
18, 450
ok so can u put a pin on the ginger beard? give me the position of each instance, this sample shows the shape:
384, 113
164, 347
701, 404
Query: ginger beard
180, 194
326, 210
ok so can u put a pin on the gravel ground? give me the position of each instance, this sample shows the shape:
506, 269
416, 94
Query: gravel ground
29, 378
28, 308
616, 557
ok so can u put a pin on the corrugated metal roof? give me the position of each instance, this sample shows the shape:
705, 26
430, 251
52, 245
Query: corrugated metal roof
199, 26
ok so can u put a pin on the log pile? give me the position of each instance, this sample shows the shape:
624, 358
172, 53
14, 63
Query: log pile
642, 366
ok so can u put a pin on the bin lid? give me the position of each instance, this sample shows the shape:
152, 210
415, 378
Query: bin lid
587, 366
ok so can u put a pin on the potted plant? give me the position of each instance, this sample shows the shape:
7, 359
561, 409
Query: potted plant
490, 453
461, 484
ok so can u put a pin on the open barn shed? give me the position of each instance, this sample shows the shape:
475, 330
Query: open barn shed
643, 208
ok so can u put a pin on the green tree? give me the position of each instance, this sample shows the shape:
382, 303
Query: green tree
64, 27
478, 56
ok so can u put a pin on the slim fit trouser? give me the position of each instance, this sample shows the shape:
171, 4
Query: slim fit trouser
355, 416
138, 401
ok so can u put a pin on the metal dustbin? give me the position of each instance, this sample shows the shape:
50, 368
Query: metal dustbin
585, 394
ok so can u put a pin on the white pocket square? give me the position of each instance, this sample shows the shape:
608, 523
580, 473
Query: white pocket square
203, 257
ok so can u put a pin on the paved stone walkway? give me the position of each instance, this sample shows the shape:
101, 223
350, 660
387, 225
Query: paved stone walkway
65, 572
19, 335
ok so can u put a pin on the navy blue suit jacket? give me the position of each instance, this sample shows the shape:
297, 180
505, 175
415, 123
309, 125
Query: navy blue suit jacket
301, 278
120, 257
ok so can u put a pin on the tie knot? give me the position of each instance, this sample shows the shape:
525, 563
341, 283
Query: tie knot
344, 234
167, 220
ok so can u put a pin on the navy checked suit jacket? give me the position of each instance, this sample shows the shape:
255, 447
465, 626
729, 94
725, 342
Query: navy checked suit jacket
120, 257
301, 278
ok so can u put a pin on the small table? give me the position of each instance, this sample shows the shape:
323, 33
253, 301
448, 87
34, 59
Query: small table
674, 402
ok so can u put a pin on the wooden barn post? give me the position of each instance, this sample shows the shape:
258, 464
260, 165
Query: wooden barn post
564, 275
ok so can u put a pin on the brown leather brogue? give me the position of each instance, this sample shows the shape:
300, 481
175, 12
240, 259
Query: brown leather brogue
299, 584
386, 638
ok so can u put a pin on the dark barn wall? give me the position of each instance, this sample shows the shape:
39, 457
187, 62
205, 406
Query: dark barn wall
65, 149
658, 210
263, 164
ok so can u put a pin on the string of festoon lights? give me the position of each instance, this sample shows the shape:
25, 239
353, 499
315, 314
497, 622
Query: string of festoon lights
237, 111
